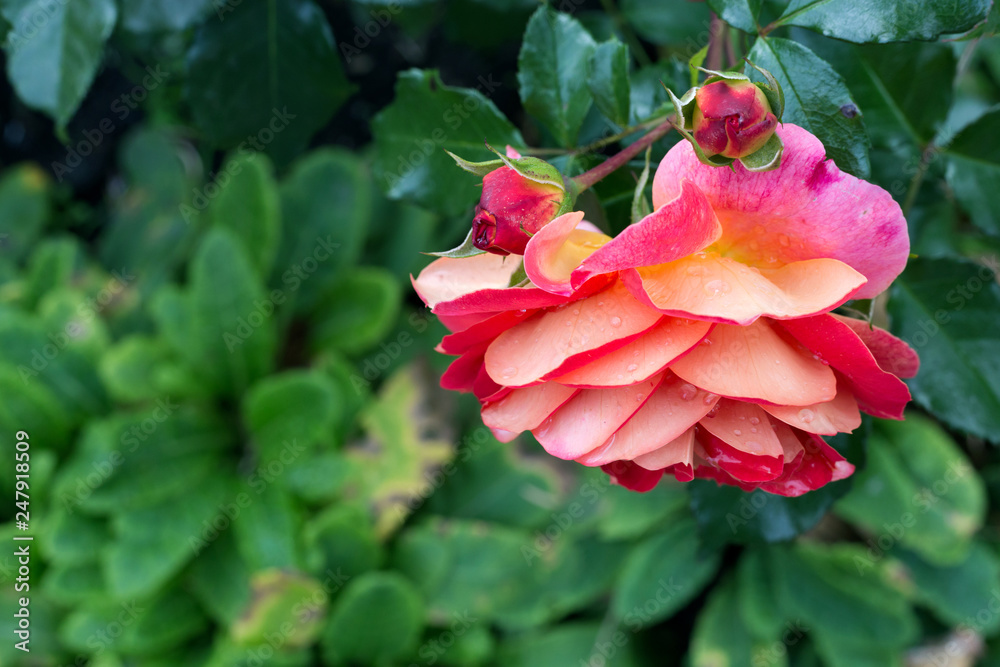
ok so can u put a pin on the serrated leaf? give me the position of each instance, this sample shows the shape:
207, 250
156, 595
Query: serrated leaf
552, 72
69, 38
814, 95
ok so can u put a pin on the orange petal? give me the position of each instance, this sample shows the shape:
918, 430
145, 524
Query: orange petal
722, 289
446, 279
524, 409
755, 363
557, 250
830, 418
590, 418
680, 450
744, 426
647, 355
578, 332
672, 409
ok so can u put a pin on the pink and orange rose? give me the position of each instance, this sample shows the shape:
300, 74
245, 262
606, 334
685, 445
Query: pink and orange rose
700, 341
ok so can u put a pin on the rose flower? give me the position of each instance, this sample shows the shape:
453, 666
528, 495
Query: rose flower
699, 342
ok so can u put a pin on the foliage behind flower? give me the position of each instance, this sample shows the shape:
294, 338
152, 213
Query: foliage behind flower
700, 341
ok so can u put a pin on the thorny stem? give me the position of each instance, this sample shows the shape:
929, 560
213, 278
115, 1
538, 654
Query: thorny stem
588, 178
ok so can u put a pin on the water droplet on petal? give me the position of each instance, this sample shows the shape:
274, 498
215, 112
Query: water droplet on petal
754, 245
783, 240
716, 287
753, 429
632, 367
709, 398
754, 420
736, 431
616, 321
752, 447
509, 372
640, 397
806, 415
688, 391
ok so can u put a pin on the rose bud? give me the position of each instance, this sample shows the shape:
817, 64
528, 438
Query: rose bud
513, 208
732, 118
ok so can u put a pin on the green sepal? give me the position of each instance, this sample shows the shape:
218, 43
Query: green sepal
694, 64
641, 207
477, 168
533, 168
467, 249
715, 75
771, 89
519, 278
765, 158
683, 107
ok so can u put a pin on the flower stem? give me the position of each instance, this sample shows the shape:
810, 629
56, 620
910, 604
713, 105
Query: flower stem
588, 178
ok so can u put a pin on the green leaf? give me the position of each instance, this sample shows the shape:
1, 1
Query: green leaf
577, 643
494, 483
629, 515
281, 599
72, 584
552, 72
661, 575
740, 14
247, 205
466, 249
24, 208
377, 619
356, 312
608, 80
294, 406
32, 407
342, 540
884, 21
232, 341
143, 16
53, 263
413, 133
685, 24
919, 491
153, 543
54, 51
843, 606
974, 171
326, 206
130, 368
72, 538
814, 96
957, 594
267, 528
265, 76
405, 447
947, 310
721, 636
220, 579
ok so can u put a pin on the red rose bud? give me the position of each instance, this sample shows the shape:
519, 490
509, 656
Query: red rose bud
512, 209
732, 118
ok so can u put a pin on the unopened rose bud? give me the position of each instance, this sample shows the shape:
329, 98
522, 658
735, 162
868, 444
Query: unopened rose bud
732, 118
512, 209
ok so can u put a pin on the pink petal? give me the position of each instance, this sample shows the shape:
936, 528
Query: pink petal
749, 449
677, 452
557, 250
816, 466
755, 363
483, 331
830, 418
878, 393
461, 374
492, 301
673, 408
590, 418
892, 354
805, 209
524, 409
721, 289
568, 337
645, 356
677, 228
631, 476
446, 279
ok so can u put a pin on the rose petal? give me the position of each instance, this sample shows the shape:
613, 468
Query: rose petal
752, 451
830, 418
645, 356
677, 452
461, 374
524, 409
482, 332
590, 418
578, 333
447, 278
677, 228
631, 476
755, 363
804, 209
557, 250
891, 354
673, 408
878, 393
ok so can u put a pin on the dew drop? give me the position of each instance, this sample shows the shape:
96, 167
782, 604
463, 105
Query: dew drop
600, 303
688, 391
716, 287
755, 420
639, 397
753, 447
736, 431
777, 361
576, 311
753, 429
695, 271
632, 367
806, 415
754, 245
509, 372
783, 240
616, 321
709, 398
621, 376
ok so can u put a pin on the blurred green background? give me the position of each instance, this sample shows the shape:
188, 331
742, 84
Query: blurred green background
239, 455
